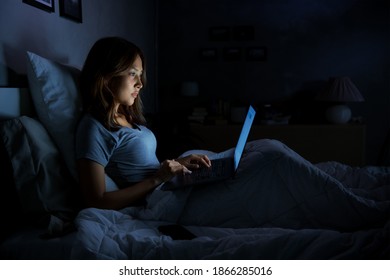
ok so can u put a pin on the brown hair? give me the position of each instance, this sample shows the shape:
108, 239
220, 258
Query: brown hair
108, 58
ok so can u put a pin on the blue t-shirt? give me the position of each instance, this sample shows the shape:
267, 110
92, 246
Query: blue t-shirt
128, 154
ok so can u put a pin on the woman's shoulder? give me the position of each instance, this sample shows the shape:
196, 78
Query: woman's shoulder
90, 125
89, 119
93, 141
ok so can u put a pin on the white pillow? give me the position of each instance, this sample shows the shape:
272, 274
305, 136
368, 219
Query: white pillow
41, 178
54, 90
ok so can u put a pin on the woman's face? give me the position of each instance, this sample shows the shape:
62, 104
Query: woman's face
127, 86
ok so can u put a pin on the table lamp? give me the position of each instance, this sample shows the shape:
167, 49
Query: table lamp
339, 91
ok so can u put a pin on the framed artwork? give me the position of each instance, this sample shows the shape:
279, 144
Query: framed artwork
71, 9
208, 54
256, 54
232, 54
219, 33
47, 5
243, 33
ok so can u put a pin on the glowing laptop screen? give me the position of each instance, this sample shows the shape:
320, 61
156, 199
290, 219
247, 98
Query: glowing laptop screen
243, 136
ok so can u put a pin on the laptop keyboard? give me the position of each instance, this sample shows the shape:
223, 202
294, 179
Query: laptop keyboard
218, 168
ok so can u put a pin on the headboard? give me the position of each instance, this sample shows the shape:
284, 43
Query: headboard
15, 102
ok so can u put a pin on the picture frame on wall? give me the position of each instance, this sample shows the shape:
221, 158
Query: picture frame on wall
256, 54
219, 33
71, 9
46, 5
232, 54
208, 54
243, 33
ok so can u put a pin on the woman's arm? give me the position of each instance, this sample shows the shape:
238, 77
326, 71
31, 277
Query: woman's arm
92, 182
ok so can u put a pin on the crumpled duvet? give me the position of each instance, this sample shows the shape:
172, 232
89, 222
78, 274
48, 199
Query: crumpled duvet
278, 206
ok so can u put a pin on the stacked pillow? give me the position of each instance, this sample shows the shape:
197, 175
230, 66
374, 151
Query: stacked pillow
42, 182
42, 151
57, 101
54, 90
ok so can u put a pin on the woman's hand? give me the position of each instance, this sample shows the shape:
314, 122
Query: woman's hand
170, 168
195, 161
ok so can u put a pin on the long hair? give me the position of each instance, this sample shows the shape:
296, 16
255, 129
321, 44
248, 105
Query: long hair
109, 58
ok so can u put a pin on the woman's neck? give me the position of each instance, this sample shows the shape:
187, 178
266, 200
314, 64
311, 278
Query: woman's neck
122, 121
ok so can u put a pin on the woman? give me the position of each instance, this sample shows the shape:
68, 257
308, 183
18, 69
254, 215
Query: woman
111, 137
273, 186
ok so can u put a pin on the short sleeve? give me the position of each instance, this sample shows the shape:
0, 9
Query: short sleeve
93, 141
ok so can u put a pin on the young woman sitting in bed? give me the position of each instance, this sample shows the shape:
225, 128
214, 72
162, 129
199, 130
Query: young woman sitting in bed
112, 137
273, 186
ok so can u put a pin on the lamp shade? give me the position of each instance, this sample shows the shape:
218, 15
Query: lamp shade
340, 89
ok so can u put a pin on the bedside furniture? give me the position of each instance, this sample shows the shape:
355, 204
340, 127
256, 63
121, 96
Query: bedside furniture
316, 143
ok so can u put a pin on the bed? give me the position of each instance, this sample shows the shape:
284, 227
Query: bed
43, 216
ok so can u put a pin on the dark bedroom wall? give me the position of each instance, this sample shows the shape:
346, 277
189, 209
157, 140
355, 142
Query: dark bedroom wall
24, 27
307, 42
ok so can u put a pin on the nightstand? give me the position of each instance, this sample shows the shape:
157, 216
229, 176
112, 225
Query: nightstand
316, 143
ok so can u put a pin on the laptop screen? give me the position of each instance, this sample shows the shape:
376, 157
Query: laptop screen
244, 136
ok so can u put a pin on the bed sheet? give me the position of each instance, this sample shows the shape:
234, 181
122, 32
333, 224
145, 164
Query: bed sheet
117, 235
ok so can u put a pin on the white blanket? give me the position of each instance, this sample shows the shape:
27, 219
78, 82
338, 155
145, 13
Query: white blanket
277, 206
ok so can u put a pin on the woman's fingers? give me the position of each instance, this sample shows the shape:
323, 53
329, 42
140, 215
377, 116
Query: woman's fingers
194, 161
198, 160
186, 170
170, 168
206, 160
177, 167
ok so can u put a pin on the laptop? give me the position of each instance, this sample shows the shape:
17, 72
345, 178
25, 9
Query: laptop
221, 168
